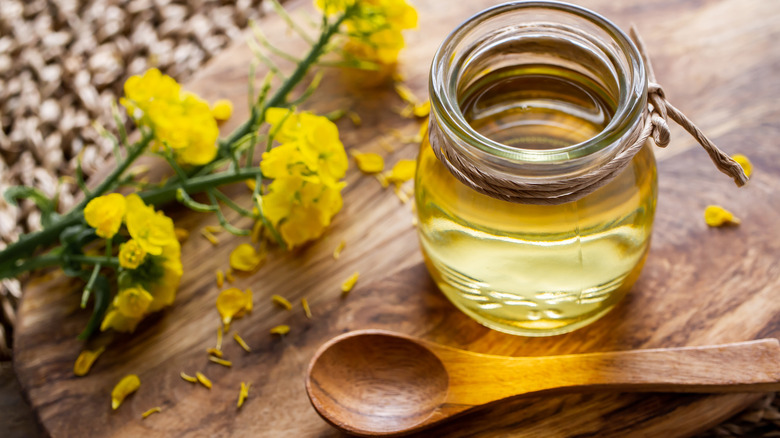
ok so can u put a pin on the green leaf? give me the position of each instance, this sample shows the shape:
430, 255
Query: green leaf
101, 291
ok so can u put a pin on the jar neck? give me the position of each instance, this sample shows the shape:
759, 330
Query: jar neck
538, 34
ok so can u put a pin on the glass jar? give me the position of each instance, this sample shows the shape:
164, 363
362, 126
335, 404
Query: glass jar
536, 91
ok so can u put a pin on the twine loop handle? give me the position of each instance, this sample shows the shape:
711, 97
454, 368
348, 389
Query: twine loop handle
568, 189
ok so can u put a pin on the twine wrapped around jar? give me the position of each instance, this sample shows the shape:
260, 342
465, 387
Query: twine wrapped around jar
568, 189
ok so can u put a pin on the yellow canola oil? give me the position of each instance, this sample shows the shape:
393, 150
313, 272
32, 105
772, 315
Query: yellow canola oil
535, 270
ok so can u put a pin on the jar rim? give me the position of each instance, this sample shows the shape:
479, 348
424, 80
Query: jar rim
631, 100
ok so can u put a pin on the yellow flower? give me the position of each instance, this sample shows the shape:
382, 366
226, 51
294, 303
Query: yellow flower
164, 287
150, 230
310, 144
245, 258
133, 302
131, 254
743, 161
222, 109
151, 284
374, 27
180, 120
306, 168
116, 321
300, 208
717, 216
105, 214
128, 385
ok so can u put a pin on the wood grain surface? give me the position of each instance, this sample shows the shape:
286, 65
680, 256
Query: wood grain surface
718, 62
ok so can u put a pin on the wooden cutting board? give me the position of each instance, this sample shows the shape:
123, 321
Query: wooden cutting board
718, 61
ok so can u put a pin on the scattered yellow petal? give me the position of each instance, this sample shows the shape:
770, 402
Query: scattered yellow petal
251, 184
85, 360
306, 309
338, 249
717, 216
222, 109
402, 195
230, 303
181, 234
188, 377
402, 171
222, 362
214, 352
219, 338
281, 302
248, 293
245, 258
382, 178
229, 275
137, 170
422, 109
214, 229
241, 342
210, 237
406, 94
743, 161
355, 117
220, 278
243, 394
203, 380
151, 411
350, 283
280, 330
369, 163
128, 385
386, 145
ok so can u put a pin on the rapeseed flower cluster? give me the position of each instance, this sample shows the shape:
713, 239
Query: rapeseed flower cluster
375, 27
306, 168
149, 262
181, 120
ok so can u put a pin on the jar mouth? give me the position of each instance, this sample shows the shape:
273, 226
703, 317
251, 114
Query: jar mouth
584, 29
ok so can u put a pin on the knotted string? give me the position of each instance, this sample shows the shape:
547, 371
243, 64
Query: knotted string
568, 189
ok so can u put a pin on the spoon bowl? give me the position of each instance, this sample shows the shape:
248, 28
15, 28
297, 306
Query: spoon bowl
373, 365
380, 383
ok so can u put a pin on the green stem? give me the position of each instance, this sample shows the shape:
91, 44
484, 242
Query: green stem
279, 98
27, 244
46, 260
108, 184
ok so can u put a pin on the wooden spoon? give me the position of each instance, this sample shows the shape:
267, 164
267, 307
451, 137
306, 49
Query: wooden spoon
380, 383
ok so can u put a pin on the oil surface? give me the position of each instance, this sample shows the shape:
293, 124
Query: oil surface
527, 269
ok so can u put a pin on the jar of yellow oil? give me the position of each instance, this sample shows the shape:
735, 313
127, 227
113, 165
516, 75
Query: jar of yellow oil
535, 92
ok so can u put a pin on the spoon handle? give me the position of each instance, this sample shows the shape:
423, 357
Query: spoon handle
740, 367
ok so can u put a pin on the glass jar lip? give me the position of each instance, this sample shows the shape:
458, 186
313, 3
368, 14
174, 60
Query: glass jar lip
631, 99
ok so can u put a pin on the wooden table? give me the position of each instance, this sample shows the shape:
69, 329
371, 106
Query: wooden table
718, 62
